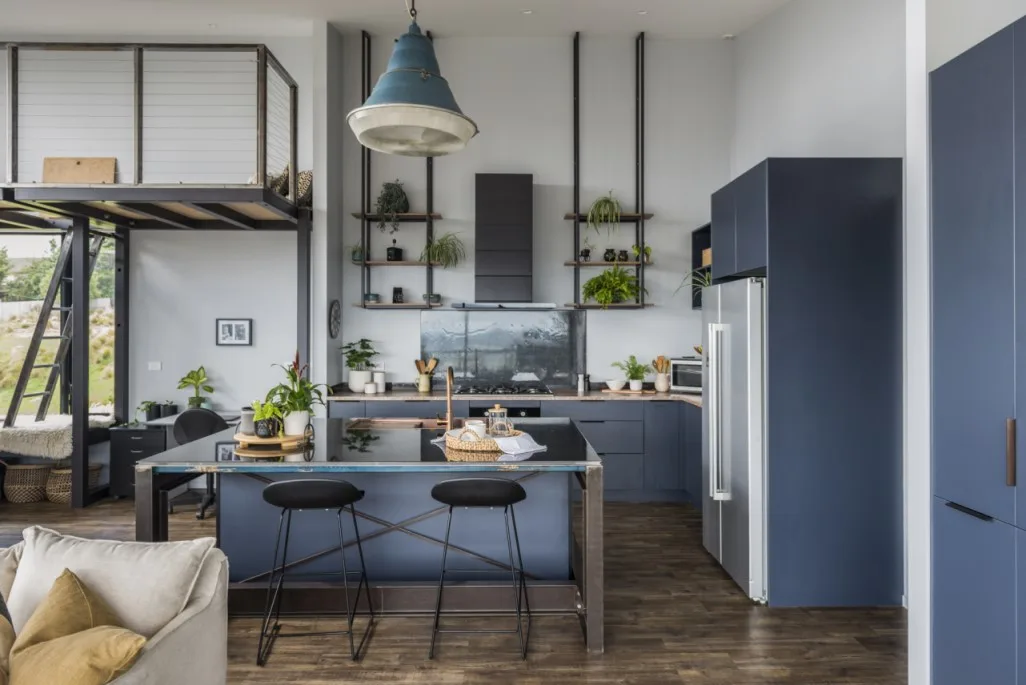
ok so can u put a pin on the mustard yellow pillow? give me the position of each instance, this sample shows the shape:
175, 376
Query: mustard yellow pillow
6, 642
72, 638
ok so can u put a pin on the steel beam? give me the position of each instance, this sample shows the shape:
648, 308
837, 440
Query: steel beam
261, 103
24, 220
163, 215
12, 113
227, 214
137, 116
122, 251
303, 282
80, 362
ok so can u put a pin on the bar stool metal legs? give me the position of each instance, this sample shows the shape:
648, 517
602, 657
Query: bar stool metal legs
270, 628
521, 604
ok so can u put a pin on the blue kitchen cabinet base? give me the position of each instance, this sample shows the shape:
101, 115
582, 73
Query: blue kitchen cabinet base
974, 599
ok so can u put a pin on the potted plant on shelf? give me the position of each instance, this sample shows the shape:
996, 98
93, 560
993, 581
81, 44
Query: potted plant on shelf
611, 286
605, 211
391, 202
447, 251
296, 397
585, 255
356, 253
266, 419
609, 255
169, 408
634, 370
359, 356
637, 253
149, 409
199, 382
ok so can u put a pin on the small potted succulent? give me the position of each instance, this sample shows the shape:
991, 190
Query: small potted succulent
149, 409
391, 202
267, 418
199, 382
359, 356
634, 371
637, 253
296, 397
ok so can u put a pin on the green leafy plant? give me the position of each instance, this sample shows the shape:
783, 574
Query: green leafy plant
266, 411
605, 211
391, 202
145, 406
356, 253
199, 382
297, 393
359, 354
699, 278
637, 253
359, 440
448, 251
611, 286
632, 368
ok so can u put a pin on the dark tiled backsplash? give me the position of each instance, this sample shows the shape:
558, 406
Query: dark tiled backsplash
502, 346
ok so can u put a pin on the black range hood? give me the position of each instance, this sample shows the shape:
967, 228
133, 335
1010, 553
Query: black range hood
504, 238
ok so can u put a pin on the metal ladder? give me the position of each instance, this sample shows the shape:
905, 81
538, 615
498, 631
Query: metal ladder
39, 335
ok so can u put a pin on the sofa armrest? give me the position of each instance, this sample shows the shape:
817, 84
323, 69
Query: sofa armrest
193, 647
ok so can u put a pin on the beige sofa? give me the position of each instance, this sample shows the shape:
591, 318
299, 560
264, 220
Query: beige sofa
175, 594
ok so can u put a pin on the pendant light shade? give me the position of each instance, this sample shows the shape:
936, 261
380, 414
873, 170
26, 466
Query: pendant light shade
411, 110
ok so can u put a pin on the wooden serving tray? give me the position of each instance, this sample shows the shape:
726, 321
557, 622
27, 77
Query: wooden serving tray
285, 443
267, 453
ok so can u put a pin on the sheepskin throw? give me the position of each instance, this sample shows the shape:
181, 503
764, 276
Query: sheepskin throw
49, 439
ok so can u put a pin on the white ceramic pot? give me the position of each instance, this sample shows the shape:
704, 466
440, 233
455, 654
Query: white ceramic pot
662, 382
637, 385
296, 422
358, 379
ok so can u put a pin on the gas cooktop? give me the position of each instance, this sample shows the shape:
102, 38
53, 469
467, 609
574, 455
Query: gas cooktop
516, 388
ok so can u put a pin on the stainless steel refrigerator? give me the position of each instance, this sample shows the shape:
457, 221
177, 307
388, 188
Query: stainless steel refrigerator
733, 445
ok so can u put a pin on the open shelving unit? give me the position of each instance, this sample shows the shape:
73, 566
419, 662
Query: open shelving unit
369, 219
639, 216
701, 239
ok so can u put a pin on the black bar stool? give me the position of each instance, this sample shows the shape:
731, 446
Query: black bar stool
478, 493
311, 493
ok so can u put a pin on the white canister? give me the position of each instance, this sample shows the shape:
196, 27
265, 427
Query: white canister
662, 382
246, 424
379, 380
370, 388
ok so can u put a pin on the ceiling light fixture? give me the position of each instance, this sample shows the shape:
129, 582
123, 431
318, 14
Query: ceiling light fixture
642, 12
527, 11
412, 111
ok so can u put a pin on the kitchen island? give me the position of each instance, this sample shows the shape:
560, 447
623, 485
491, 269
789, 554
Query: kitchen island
401, 526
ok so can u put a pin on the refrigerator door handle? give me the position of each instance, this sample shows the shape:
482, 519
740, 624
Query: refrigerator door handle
716, 490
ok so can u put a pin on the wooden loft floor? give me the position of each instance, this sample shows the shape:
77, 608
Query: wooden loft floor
142, 207
673, 616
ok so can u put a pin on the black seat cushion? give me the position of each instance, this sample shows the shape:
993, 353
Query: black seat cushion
193, 424
479, 492
312, 493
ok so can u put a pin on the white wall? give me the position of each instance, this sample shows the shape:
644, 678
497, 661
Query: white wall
821, 78
525, 117
954, 26
181, 281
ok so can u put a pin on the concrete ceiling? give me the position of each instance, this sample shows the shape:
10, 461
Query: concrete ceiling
660, 18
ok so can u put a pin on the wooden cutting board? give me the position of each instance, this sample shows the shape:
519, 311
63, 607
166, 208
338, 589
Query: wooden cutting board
79, 169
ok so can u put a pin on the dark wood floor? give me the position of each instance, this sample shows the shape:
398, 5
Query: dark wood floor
672, 616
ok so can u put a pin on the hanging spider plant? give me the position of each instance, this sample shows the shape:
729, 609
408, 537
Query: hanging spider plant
696, 278
604, 211
446, 251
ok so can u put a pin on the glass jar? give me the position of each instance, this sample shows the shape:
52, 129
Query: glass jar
497, 421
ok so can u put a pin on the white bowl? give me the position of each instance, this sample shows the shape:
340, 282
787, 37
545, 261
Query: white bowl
616, 385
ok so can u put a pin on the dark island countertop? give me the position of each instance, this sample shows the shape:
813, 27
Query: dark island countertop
341, 447
404, 393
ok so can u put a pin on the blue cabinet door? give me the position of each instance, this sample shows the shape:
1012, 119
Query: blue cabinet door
691, 425
974, 607
1020, 275
751, 218
663, 459
973, 275
724, 255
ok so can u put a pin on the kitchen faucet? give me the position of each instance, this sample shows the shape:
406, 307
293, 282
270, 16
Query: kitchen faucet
449, 382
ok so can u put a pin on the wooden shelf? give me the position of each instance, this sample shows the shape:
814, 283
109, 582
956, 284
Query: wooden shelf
625, 217
615, 305
404, 305
409, 217
605, 264
404, 263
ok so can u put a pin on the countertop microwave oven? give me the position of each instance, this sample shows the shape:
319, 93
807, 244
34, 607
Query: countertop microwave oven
686, 374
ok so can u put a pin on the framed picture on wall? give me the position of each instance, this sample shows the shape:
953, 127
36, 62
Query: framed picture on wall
225, 451
235, 331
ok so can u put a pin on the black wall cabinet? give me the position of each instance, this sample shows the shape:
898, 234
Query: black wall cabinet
504, 237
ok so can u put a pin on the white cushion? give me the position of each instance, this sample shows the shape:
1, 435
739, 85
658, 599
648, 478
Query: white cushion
9, 557
146, 584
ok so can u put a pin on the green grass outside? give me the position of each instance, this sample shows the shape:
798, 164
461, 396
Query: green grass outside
15, 335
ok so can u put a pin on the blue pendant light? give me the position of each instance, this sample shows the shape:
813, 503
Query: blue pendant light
411, 110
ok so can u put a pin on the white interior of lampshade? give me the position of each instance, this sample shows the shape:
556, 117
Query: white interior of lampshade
411, 130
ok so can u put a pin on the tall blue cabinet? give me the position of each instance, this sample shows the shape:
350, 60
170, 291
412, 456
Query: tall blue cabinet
978, 147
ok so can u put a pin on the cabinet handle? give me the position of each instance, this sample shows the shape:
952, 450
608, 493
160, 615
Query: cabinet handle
136, 437
1010, 452
590, 421
136, 451
970, 512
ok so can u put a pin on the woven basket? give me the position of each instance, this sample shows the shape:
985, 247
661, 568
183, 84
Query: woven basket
25, 483
476, 444
58, 485
464, 455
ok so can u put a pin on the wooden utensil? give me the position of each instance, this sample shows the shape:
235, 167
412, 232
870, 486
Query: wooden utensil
431, 365
420, 365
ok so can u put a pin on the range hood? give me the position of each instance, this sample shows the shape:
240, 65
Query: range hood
504, 239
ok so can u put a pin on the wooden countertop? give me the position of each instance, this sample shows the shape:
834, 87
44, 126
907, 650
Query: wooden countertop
407, 393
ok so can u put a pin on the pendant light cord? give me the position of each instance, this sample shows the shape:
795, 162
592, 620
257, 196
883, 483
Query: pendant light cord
411, 7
